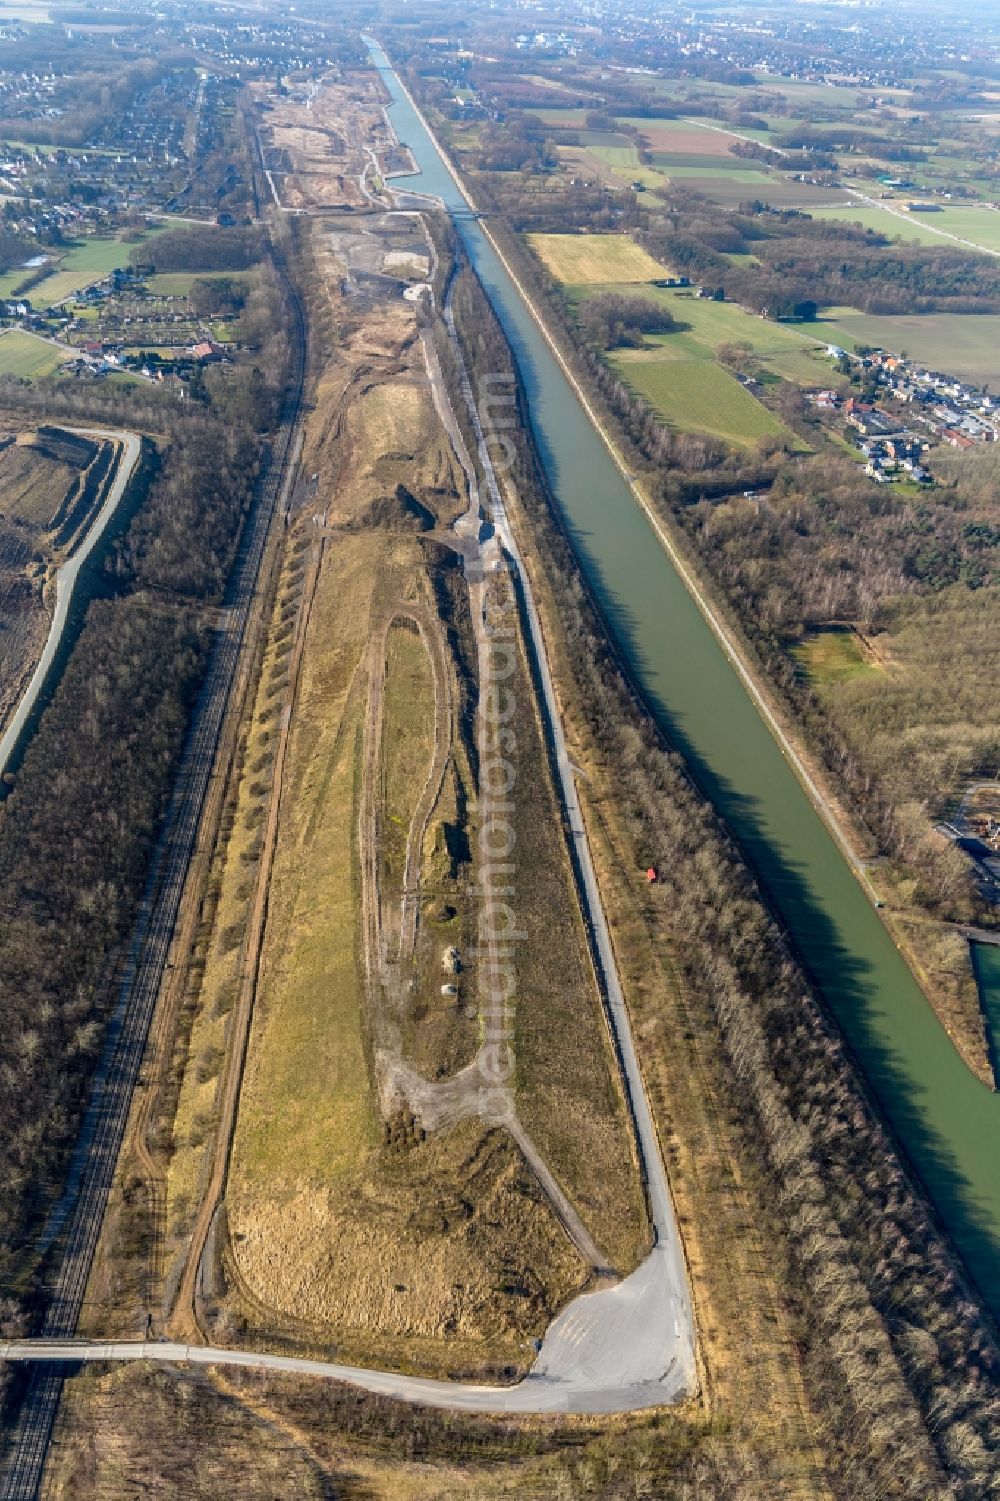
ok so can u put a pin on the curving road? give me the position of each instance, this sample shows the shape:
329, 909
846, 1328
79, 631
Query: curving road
587, 1363
66, 577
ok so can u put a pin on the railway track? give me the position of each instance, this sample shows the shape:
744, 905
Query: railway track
76, 1222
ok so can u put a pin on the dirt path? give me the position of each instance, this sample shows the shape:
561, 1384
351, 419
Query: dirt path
138, 1143
430, 634
184, 1318
378, 924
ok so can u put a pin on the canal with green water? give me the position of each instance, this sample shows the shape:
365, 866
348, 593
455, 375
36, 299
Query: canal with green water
947, 1120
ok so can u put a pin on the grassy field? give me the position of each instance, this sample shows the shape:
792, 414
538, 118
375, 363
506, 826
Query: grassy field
680, 171
26, 356
695, 161
11, 280
706, 324
835, 655
703, 325
958, 344
980, 226
28, 146
912, 228
306, 1113
780, 192
624, 162
582, 260
556, 114
797, 91
85, 262
699, 396
179, 283
808, 367
677, 371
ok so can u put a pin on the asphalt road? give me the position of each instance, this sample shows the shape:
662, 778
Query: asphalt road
600, 1325
66, 578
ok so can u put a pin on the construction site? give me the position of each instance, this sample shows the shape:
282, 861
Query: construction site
324, 1156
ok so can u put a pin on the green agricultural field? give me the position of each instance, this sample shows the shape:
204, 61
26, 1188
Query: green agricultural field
27, 356
807, 366
589, 260
774, 124
86, 262
981, 225
895, 225
704, 325
570, 119
699, 396
739, 172
29, 146
692, 162
785, 351
967, 346
604, 138
465, 137
179, 283
679, 374
978, 225
832, 96
729, 190
624, 160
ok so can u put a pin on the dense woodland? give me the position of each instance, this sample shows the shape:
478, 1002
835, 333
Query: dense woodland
897, 1357
75, 838
193, 249
920, 574
613, 321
